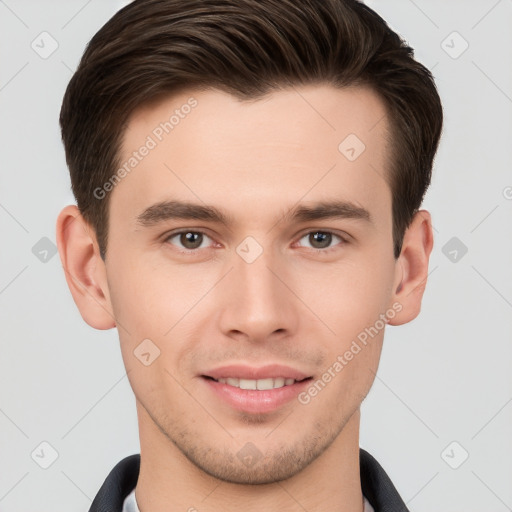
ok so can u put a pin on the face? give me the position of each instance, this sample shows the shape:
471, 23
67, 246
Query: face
269, 258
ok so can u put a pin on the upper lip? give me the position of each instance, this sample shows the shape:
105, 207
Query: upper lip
239, 371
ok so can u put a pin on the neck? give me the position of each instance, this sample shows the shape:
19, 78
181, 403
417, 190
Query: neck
169, 481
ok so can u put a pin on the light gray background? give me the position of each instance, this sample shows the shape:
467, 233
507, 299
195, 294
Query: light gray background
444, 377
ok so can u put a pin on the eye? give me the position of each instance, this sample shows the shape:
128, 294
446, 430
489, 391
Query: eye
321, 240
189, 240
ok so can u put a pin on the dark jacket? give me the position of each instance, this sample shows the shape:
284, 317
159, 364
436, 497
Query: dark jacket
375, 484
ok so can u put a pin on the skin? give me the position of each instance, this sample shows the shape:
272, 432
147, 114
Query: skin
292, 305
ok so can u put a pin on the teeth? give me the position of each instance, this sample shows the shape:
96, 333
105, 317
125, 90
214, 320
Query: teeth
248, 384
260, 384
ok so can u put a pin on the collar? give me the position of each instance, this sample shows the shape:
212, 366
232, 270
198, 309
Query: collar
375, 485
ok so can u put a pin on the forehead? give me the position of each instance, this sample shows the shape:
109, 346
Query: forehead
309, 140
286, 113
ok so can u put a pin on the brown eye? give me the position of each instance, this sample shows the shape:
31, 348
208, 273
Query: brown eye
191, 240
188, 240
322, 240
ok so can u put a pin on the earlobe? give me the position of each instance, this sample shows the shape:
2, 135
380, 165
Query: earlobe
412, 265
84, 269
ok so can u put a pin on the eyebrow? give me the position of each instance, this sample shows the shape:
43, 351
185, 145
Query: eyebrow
173, 209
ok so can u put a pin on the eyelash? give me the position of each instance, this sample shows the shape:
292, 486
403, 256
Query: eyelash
192, 252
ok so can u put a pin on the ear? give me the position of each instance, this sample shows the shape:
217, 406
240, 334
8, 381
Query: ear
84, 269
412, 268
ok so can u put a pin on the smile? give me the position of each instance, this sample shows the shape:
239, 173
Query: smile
259, 384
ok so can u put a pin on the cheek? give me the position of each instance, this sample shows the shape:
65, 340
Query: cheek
154, 311
151, 298
348, 297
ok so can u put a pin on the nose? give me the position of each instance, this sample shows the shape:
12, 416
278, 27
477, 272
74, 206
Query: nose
257, 300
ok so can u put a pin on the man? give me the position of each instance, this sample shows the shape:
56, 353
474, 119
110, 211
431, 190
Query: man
248, 177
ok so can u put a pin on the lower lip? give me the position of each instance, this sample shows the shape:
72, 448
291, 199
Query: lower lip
253, 400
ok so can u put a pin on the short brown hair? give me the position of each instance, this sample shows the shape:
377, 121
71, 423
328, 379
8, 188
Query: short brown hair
248, 48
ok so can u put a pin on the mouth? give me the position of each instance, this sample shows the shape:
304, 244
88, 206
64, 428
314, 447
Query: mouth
255, 390
257, 384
